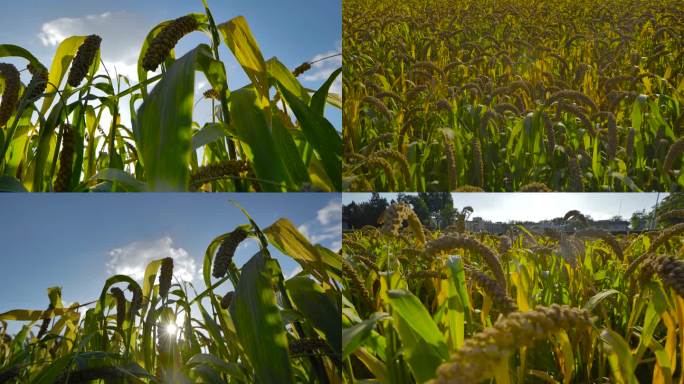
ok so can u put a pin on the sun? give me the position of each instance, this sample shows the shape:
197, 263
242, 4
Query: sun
171, 329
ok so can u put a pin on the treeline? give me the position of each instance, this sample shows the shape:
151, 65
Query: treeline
435, 210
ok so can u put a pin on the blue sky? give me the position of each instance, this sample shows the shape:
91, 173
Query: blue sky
294, 31
540, 206
77, 241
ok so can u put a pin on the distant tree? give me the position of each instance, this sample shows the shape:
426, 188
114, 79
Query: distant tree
648, 219
419, 207
462, 217
639, 220
441, 208
671, 202
366, 213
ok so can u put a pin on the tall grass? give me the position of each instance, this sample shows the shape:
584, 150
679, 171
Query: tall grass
267, 328
164, 146
564, 310
502, 95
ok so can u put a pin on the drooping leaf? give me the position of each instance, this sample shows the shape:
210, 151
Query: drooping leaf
259, 325
163, 127
310, 299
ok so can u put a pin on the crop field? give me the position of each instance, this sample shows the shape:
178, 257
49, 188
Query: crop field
577, 306
513, 95
268, 329
270, 135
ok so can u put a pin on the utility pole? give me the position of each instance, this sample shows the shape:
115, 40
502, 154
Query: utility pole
655, 213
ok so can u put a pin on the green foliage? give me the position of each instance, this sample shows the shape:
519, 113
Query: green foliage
164, 148
425, 307
250, 341
513, 95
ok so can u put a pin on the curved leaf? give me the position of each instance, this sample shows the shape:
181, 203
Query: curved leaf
163, 128
259, 325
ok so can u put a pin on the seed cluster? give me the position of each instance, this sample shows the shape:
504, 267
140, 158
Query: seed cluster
120, 306
671, 272
38, 84
226, 251
136, 300
478, 358
10, 95
301, 69
46, 322
418, 275
66, 159
211, 94
166, 40
217, 171
356, 283
595, 233
495, 291
165, 275
666, 235
308, 346
84, 60
674, 155
9, 374
674, 214
227, 299
448, 243
393, 219
535, 187
548, 91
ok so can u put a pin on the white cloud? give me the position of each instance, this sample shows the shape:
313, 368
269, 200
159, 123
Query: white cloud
317, 234
122, 35
330, 213
131, 259
326, 228
321, 71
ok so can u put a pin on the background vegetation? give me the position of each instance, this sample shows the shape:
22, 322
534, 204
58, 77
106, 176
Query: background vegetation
513, 95
52, 139
449, 306
268, 329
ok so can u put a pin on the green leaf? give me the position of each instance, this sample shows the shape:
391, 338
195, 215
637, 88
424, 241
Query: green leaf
284, 76
163, 128
253, 130
325, 140
9, 50
239, 39
620, 358
458, 301
284, 235
626, 180
125, 179
321, 96
60, 64
599, 297
355, 335
288, 151
208, 134
229, 368
310, 299
258, 323
423, 342
32, 315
